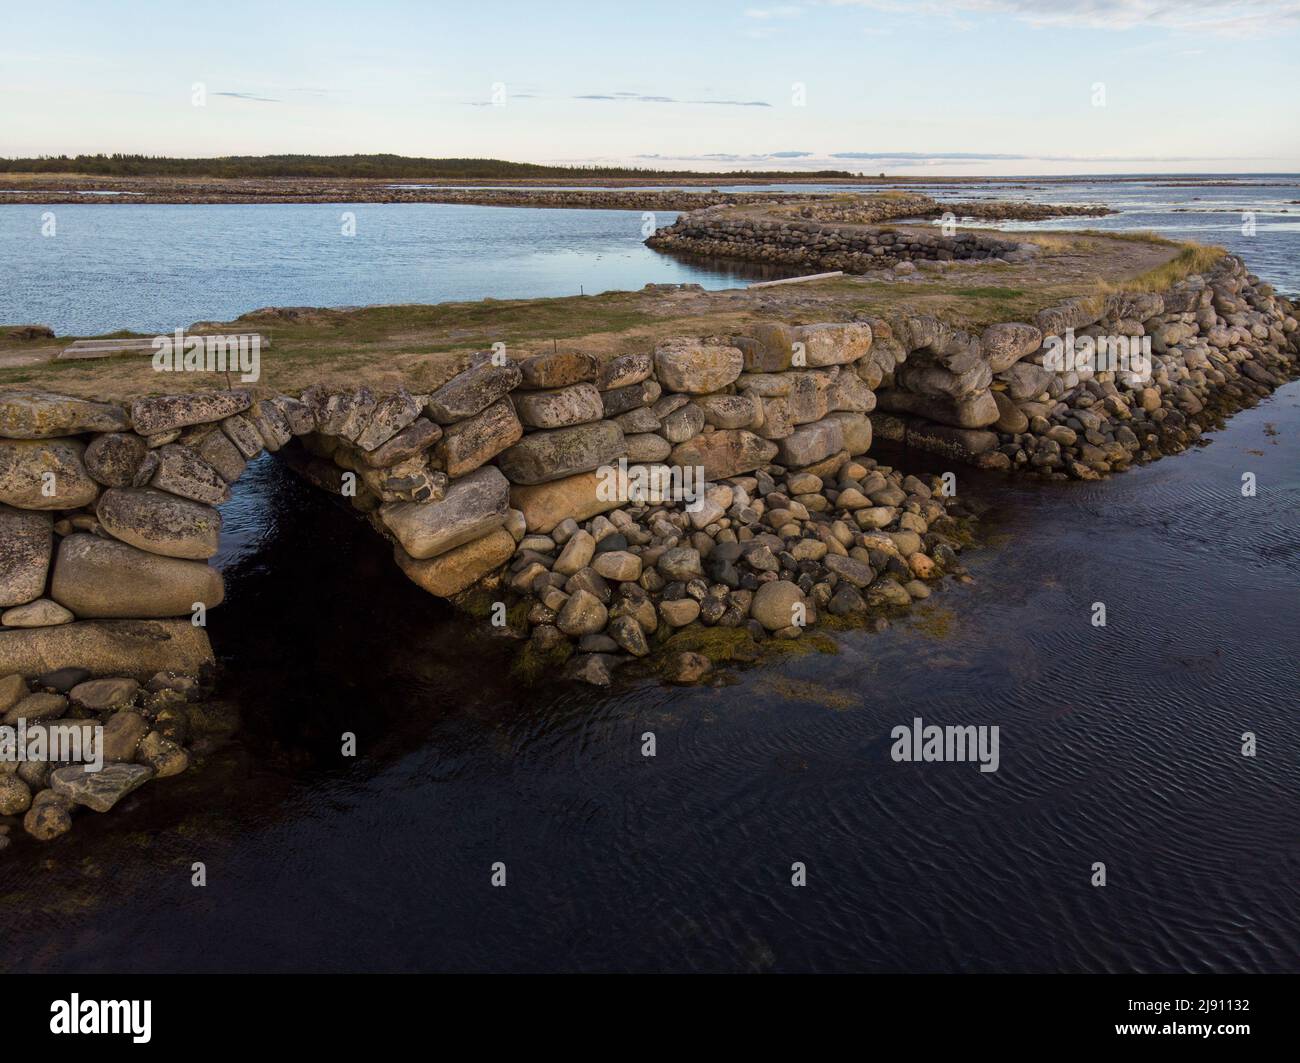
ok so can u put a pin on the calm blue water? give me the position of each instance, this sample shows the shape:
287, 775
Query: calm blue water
154, 268
1202, 213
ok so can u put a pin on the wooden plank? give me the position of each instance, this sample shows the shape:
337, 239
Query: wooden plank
797, 280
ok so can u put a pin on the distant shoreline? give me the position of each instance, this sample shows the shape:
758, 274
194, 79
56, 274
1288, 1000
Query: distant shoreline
626, 193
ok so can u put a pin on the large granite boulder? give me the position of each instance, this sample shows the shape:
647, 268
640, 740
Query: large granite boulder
581, 496
45, 474
557, 369
1011, 418
473, 506
33, 414
340, 413
100, 578
160, 522
560, 407
138, 648
624, 371
972, 411
113, 458
855, 429
392, 414
182, 472
218, 451
544, 456
102, 789
630, 397
1025, 380
167, 412
834, 344
809, 398
271, 424
476, 440
768, 348
244, 435
459, 568
415, 438
1004, 344
726, 453
730, 411
26, 542
1071, 314
472, 391
693, 369
852, 394
810, 443
926, 378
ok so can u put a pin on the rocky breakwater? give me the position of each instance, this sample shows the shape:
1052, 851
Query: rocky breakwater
706, 495
817, 246
1094, 385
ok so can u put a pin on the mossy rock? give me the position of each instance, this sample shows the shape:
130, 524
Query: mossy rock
721, 645
532, 664
808, 642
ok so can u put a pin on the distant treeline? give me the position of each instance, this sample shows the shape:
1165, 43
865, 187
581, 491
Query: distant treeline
387, 167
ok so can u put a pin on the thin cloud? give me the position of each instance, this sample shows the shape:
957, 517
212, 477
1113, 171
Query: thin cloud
247, 96
636, 97
1228, 17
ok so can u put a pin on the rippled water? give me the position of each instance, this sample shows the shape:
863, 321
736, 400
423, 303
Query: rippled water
1119, 745
155, 268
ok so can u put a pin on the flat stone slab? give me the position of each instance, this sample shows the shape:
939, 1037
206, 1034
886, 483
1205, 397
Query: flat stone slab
544, 456
459, 568
474, 505
102, 789
34, 414
166, 412
137, 648
472, 391
560, 407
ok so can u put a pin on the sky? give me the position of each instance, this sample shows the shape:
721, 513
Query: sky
902, 87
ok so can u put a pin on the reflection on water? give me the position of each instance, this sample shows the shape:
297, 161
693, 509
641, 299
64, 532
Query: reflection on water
1118, 744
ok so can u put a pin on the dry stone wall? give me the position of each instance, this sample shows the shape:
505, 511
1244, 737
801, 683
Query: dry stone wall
679, 505
1092, 386
673, 482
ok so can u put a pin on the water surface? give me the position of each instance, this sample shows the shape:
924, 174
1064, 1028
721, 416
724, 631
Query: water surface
1119, 745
